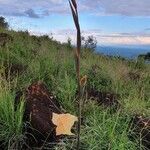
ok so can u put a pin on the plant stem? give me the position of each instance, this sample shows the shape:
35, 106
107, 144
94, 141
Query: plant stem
74, 10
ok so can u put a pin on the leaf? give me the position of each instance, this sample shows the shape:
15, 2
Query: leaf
83, 80
64, 123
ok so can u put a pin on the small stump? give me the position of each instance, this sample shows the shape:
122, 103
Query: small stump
40, 104
46, 123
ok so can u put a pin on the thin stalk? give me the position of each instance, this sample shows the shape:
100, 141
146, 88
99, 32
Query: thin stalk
73, 6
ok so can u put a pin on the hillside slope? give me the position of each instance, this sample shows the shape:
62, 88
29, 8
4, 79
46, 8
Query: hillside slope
27, 59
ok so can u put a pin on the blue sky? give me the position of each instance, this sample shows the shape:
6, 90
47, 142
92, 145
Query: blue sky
110, 21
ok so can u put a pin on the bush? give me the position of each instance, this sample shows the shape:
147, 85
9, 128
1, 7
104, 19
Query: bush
3, 23
89, 43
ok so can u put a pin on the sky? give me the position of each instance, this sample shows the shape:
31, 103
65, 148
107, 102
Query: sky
111, 22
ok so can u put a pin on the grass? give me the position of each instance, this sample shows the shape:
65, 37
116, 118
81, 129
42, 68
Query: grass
106, 131
11, 117
52, 62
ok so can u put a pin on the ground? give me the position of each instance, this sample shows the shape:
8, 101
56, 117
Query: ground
27, 59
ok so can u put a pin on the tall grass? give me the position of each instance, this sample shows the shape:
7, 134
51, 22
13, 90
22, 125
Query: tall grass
52, 63
11, 118
106, 131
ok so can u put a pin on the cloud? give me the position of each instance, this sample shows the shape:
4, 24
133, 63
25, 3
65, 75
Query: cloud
135, 34
41, 8
147, 29
102, 38
29, 8
119, 7
31, 13
98, 7
124, 40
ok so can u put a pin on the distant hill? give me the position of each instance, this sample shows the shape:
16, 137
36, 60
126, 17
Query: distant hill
130, 52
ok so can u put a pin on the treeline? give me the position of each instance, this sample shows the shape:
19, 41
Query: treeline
145, 56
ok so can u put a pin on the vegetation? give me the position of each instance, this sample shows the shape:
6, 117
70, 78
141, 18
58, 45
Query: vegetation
145, 56
3, 23
29, 58
89, 43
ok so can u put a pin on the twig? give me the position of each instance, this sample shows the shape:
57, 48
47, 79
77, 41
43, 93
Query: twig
73, 6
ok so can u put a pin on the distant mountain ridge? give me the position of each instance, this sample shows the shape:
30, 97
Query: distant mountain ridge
127, 51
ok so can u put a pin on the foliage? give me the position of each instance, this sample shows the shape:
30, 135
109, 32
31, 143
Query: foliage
145, 56
3, 23
69, 43
49, 61
89, 43
11, 117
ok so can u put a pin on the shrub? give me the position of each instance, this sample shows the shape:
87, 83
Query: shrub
89, 43
3, 23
